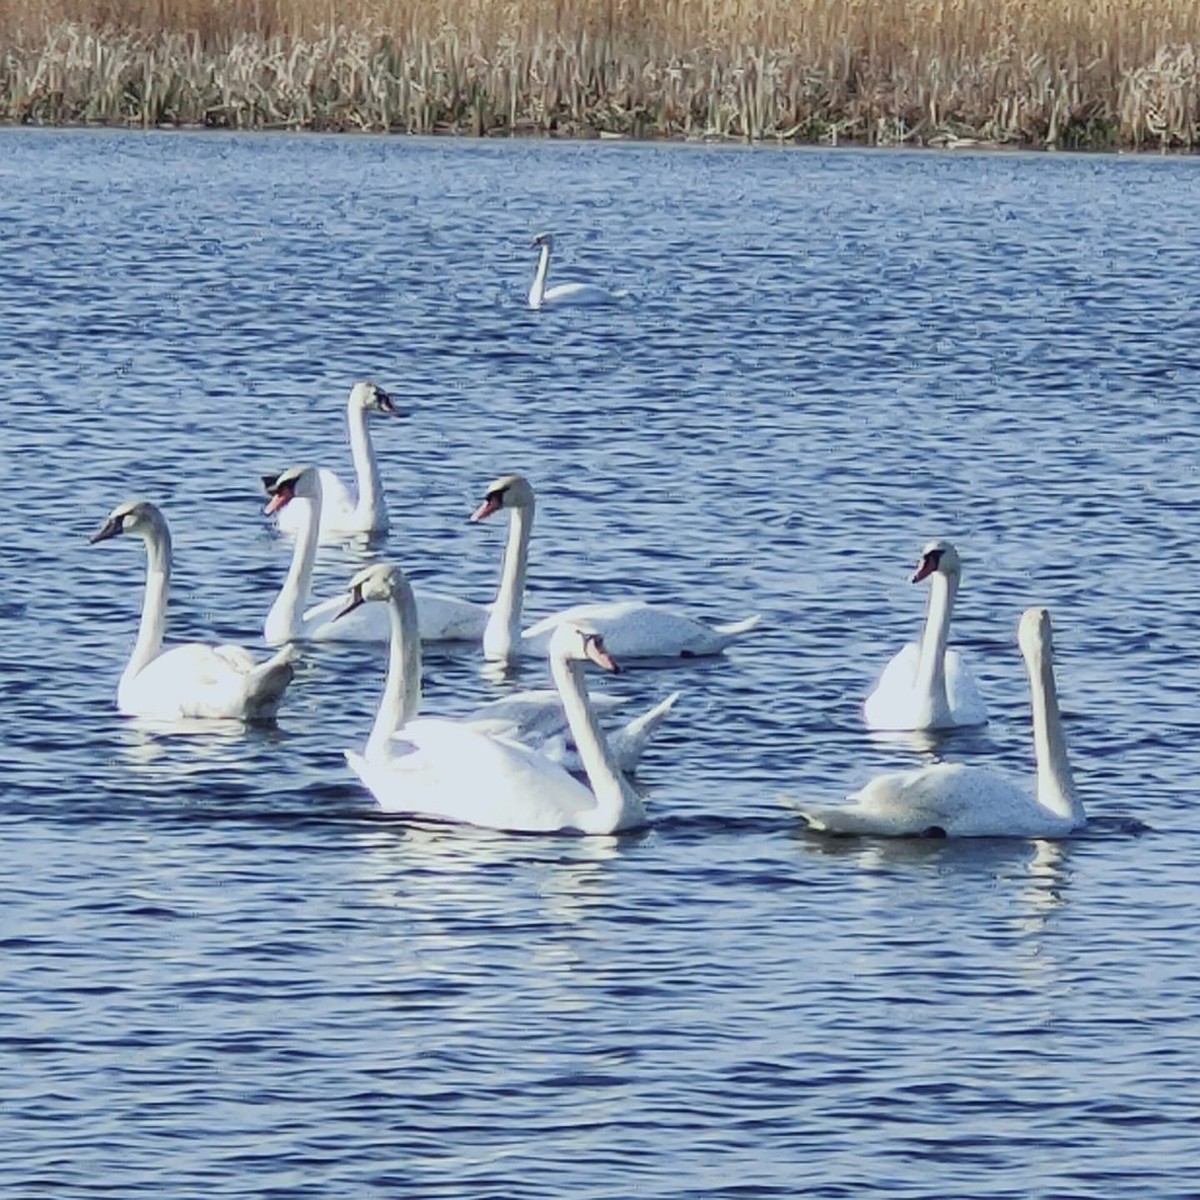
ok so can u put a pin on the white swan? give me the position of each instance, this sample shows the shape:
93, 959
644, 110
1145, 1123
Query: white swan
342, 514
927, 686
631, 628
562, 293
441, 618
955, 800
451, 770
194, 679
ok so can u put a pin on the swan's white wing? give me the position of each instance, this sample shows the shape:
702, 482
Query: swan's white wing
577, 293
951, 799
448, 770
443, 618
635, 629
966, 703
213, 682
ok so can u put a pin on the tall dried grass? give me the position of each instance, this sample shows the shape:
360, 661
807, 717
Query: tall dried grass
1043, 72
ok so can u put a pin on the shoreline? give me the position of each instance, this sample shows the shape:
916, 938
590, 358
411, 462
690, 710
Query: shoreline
998, 92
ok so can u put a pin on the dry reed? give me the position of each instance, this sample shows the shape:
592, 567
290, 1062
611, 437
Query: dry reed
1096, 73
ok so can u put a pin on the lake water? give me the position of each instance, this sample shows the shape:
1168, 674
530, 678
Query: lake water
227, 975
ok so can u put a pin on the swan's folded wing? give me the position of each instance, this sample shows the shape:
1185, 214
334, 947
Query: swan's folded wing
962, 692
534, 713
635, 629
443, 618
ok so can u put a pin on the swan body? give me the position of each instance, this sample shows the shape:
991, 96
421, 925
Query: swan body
194, 679
927, 686
639, 629
453, 771
536, 719
441, 618
540, 296
956, 800
342, 513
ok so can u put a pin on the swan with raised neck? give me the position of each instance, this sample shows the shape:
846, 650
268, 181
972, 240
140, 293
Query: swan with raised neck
927, 686
447, 769
193, 679
364, 511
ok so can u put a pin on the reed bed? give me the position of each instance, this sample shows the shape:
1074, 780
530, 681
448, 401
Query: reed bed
1069, 73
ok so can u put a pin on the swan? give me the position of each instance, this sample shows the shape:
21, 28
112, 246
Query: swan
956, 800
342, 515
453, 771
631, 628
562, 293
194, 679
927, 686
441, 618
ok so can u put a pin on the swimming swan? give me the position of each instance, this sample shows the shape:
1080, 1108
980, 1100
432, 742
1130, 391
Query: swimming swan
927, 686
194, 679
956, 800
631, 628
341, 514
452, 771
441, 618
562, 293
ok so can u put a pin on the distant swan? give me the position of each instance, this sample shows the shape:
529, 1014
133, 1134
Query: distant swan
562, 293
955, 800
631, 628
193, 679
452, 771
343, 514
442, 618
927, 686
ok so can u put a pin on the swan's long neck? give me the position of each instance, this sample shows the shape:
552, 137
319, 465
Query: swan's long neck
285, 620
538, 288
502, 635
930, 682
616, 802
1055, 781
370, 511
402, 692
154, 604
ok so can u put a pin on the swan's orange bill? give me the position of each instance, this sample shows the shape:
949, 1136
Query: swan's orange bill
277, 501
926, 566
601, 657
486, 509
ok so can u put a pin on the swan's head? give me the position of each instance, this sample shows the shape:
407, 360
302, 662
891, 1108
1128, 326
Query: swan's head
543, 239
509, 491
379, 581
937, 556
1034, 634
370, 397
577, 642
138, 517
295, 481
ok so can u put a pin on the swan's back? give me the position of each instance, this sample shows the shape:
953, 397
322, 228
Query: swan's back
582, 294
946, 799
213, 682
449, 771
635, 629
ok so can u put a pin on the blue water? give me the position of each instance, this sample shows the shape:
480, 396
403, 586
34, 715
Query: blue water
227, 975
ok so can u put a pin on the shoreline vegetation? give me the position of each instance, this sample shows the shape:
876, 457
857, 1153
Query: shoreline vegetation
1067, 74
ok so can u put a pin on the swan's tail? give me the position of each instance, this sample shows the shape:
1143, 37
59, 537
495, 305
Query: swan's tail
735, 629
628, 743
267, 682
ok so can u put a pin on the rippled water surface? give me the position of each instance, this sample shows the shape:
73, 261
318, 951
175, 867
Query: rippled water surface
227, 975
